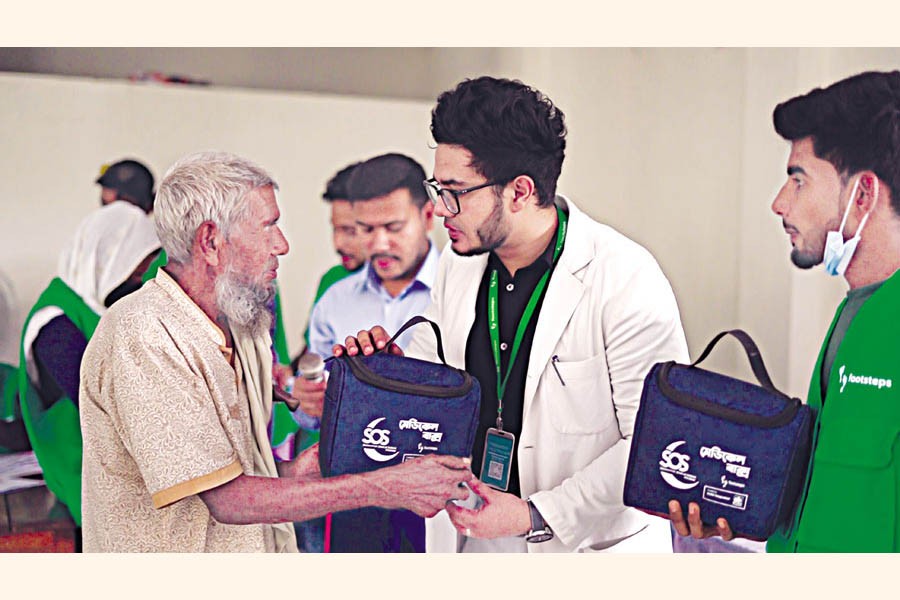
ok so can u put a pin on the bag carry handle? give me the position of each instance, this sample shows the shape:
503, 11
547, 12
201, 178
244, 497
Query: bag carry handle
365, 374
415, 321
756, 361
780, 419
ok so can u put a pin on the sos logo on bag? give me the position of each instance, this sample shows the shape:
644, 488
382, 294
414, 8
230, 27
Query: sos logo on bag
738, 449
376, 442
674, 468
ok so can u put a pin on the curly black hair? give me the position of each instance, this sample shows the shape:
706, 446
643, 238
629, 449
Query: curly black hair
854, 124
509, 128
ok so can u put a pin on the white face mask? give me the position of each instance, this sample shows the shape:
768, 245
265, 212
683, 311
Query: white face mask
838, 253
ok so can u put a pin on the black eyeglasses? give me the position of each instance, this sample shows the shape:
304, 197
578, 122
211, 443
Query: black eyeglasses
450, 197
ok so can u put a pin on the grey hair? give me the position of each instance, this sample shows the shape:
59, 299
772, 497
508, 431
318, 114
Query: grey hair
206, 186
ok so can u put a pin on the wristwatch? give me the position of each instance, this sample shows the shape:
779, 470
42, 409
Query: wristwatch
540, 531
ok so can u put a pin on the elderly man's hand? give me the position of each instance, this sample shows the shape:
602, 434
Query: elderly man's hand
501, 514
366, 343
306, 465
694, 526
423, 485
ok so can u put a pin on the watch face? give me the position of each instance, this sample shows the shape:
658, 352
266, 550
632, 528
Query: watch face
536, 537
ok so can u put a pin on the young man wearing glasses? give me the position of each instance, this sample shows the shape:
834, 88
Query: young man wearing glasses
559, 317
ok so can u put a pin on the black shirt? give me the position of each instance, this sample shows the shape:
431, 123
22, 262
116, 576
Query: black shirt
57, 350
512, 297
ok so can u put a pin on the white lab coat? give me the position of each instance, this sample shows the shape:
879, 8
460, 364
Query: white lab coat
608, 315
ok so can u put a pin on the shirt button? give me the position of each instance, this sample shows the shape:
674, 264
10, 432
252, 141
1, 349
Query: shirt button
503, 346
510, 287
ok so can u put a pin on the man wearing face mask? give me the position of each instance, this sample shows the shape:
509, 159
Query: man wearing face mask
841, 207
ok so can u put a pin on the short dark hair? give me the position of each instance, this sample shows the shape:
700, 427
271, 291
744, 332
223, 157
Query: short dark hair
510, 128
381, 175
336, 188
854, 124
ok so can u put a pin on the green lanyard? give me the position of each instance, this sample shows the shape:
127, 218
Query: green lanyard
494, 320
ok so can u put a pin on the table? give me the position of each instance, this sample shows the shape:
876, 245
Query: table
33, 520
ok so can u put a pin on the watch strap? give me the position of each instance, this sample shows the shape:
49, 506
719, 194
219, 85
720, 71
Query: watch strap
540, 531
537, 521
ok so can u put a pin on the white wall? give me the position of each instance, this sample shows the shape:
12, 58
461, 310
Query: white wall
790, 309
388, 72
56, 132
673, 147
654, 149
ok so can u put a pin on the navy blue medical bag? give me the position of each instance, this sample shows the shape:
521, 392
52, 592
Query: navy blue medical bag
381, 410
737, 449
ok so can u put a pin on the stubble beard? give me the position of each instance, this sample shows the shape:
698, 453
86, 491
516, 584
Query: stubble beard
807, 259
492, 233
414, 266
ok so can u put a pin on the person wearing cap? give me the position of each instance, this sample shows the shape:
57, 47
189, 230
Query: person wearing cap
127, 180
101, 264
131, 181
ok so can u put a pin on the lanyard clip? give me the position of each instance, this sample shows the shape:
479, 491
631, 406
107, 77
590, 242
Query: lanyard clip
499, 423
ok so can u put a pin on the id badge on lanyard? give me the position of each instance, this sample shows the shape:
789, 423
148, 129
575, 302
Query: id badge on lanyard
496, 463
499, 445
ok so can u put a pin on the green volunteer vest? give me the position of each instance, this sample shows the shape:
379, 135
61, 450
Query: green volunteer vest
9, 377
851, 499
55, 432
283, 425
155, 265
9, 384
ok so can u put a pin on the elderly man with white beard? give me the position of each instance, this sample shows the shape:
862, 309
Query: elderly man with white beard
176, 391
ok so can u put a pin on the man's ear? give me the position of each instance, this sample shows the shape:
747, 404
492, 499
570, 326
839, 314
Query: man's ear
524, 191
208, 243
867, 195
427, 211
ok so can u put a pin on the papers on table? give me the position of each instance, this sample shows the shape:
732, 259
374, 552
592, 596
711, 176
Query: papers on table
18, 471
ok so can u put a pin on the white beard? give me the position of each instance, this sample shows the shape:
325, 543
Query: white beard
244, 304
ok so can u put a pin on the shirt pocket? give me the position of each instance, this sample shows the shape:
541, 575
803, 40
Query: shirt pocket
852, 501
578, 396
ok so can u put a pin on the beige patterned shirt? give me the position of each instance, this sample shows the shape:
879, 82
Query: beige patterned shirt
164, 416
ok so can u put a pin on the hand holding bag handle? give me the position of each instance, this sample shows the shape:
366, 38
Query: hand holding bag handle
792, 405
415, 321
365, 374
